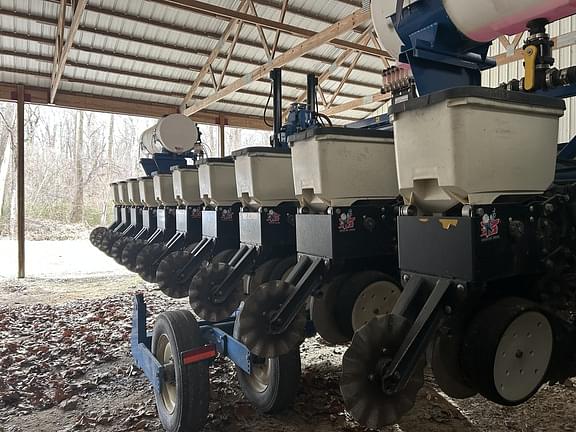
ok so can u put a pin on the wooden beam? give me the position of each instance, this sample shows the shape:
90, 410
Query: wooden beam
344, 79
222, 138
80, 5
229, 14
213, 55
20, 187
177, 48
342, 26
89, 102
59, 42
277, 36
366, 100
229, 56
263, 39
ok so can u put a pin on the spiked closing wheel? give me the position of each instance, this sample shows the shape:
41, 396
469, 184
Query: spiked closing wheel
145, 262
107, 241
118, 247
254, 322
130, 253
167, 276
508, 350
202, 301
97, 234
363, 365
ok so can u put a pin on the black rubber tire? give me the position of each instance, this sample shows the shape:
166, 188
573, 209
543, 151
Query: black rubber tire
192, 381
323, 311
481, 342
281, 392
281, 269
350, 289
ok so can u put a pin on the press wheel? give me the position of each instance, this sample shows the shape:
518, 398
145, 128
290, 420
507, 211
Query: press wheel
508, 350
363, 365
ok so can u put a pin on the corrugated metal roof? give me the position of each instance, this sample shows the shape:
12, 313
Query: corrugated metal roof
148, 51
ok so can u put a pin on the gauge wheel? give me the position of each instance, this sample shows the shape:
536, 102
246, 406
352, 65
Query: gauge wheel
507, 350
273, 384
182, 401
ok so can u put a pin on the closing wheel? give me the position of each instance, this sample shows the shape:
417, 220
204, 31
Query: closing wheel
108, 240
323, 312
363, 365
201, 286
130, 253
118, 247
254, 321
167, 274
182, 401
446, 362
273, 384
146, 259
508, 351
96, 234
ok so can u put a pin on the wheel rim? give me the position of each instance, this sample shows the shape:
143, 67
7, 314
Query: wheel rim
168, 390
375, 300
259, 379
523, 356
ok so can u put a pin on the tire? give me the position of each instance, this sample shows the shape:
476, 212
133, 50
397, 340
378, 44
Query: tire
183, 406
278, 388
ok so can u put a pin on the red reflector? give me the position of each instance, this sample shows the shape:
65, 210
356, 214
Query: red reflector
197, 355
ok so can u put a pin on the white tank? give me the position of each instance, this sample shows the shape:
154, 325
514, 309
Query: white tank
123, 193
217, 182
164, 189
485, 20
134, 192
337, 167
264, 176
480, 20
146, 186
186, 186
176, 133
115, 193
471, 145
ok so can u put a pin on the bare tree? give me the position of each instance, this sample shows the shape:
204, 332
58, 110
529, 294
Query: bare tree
77, 214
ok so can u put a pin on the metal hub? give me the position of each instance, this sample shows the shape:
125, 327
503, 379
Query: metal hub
168, 389
523, 356
375, 300
259, 379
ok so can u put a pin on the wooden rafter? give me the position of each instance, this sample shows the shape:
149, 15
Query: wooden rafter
177, 48
277, 36
59, 42
344, 79
260, 32
366, 100
352, 21
60, 64
214, 54
333, 67
229, 56
229, 14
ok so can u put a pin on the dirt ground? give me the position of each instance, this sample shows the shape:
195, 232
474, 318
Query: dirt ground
65, 366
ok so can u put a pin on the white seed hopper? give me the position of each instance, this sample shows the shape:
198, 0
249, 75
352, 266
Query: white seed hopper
471, 145
264, 176
134, 192
146, 186
186, 186
164, 189
123, 193
115, 193
217, 182
338, 167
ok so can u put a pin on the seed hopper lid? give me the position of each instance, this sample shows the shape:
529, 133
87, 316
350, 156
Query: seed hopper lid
261, 151
340, 131
495, 94
208, 161
145, 178
186, 168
